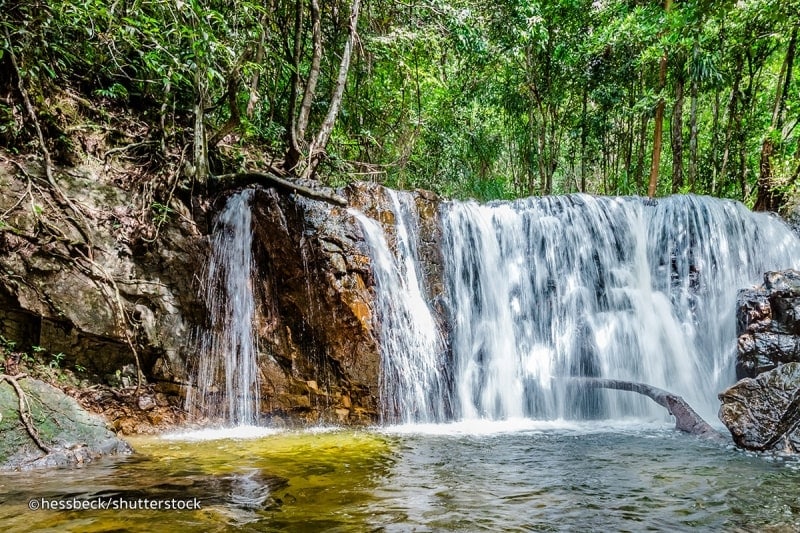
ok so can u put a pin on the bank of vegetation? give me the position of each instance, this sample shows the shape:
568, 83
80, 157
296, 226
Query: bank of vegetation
482, 99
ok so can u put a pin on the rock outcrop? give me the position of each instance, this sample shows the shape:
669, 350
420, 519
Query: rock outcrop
762, 410
763, 413
768, 324
70, 434
315, 302
136, 292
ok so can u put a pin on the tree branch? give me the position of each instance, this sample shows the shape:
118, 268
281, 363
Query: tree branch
686, 419
227, 181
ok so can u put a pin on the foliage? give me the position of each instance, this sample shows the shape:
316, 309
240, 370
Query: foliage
490, 100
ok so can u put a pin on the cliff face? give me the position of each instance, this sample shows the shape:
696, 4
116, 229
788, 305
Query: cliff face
136, 292
315, 300
131, 293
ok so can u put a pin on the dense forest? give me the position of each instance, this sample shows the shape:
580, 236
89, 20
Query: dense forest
470, 99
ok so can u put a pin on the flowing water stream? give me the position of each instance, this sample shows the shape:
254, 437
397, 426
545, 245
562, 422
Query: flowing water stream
543, 289
226, 374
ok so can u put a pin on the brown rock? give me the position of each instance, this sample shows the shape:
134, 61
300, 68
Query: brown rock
763, 413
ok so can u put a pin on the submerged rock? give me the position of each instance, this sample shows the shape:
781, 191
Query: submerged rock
763, 413
72, 435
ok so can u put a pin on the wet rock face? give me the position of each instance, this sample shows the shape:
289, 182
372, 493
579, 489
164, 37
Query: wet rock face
314, 311
320, 355
768, 324
763, 413
762, 410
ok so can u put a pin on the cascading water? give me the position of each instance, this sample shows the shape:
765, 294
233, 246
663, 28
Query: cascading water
412, 383
226, 377
543, 289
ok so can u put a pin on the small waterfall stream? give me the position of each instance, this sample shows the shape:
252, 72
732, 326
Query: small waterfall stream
542, 289
228, 351
412, 384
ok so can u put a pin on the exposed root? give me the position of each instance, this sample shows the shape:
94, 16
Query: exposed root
80, 225
25, 412
127, 147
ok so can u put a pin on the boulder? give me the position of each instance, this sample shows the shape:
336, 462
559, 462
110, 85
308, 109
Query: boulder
763, 413
72, 435
768, 324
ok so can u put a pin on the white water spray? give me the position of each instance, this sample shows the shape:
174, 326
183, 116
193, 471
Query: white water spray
413, 385
226, 377
543, 289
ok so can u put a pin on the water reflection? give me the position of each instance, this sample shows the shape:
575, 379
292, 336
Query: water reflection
435, 478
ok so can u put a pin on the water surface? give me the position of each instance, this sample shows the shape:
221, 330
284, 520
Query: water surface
528, 476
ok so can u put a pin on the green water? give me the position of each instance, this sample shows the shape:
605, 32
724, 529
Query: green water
440, 478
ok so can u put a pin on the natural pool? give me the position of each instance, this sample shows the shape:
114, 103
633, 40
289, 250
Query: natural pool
526, 476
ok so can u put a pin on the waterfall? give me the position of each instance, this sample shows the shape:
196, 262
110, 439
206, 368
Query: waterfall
412, 383
226, 377
542, 289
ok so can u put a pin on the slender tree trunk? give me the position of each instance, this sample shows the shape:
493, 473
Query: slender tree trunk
317, 148
731, 119
313, 73
629, 146
640, 154
260, 52
715, 167
768, 198
584, 135
677, 136
657, 133
200, 145
293, 153
693, 134
530, 149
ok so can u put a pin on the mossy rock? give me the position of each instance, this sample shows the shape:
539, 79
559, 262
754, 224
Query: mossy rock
74, 435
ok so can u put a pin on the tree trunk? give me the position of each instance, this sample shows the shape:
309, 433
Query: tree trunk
317, 148
768, 198
293, 153
640, 153
260, 52
584, 135
731, 119
693, 134
200, 158
657, 133
677, 136
313, 74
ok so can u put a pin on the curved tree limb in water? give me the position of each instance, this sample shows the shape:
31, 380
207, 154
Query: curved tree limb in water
686, 419
228, 181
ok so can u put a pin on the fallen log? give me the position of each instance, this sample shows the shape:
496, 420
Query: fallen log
267, 179
686, 419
